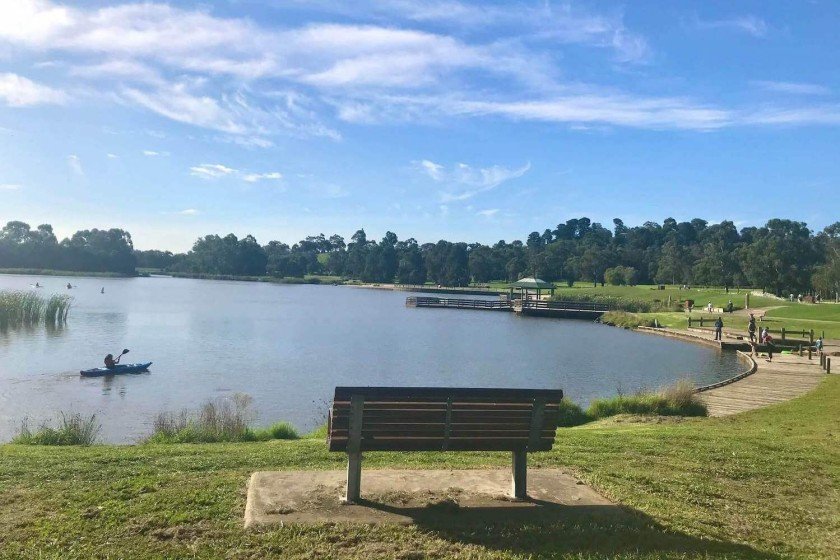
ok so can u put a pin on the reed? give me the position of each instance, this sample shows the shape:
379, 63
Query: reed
678, 399
73, 429
26, 309
217, 420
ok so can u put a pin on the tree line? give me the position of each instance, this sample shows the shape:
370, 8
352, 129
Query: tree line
94, 250
783, 256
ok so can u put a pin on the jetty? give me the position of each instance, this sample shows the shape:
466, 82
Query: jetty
531, 307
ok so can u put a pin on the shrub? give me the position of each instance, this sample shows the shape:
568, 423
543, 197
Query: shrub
676, 400
73, 429
626, 320
571, 414
278, 430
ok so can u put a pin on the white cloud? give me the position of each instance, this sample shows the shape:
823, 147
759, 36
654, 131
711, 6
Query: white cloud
112, 156
75, 164
489, 213
432, 169
153, 153
748, 24
9, 187
189, 212
211, 170
18, 91
461, 175
255, 177
795, 88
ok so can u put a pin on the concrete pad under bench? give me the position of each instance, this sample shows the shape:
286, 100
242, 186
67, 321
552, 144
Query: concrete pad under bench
417, 496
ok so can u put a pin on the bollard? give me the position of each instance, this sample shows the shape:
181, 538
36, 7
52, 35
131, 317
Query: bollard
689, 321
809, 352
828, 365
783, 334
811, 336
800, 350
701, 321
822, 359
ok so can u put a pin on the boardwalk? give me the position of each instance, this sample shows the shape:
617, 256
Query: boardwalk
786, 377
537, 308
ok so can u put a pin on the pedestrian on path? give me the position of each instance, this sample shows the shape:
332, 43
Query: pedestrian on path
818, 344
719, 329
751, 328
765, 333
768, 340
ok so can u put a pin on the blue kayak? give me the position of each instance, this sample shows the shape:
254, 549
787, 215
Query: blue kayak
116, 370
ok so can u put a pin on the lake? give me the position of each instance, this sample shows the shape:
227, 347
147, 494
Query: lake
288, 346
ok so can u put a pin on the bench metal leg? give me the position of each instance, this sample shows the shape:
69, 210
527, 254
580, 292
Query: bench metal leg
519, 486
354, 477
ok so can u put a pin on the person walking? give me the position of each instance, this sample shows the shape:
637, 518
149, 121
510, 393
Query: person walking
768, 340
751, 328
765, 332
719, 329
818, 344
729, 307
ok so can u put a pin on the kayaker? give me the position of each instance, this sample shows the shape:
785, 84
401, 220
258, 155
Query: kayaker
110, 362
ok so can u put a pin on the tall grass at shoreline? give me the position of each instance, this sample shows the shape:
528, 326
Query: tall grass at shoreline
73, 429
218, 420
27, 309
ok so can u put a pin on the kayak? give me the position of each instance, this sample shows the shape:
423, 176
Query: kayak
116, 370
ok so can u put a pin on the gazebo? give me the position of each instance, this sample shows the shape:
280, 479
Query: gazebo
530, 285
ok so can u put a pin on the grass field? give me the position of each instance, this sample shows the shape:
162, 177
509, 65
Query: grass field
758, 485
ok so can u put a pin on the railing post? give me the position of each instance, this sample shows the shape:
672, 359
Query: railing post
783, 334
809, 352
827, 365
800, 350
811, 336
689, 321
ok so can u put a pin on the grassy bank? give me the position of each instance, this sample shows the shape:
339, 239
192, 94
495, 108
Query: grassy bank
758, 485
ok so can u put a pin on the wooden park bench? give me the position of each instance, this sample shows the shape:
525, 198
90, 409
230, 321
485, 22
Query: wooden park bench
442, 419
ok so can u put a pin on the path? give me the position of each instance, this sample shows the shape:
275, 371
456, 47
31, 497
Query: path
786, 377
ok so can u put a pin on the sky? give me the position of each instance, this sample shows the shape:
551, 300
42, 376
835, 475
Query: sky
433, 119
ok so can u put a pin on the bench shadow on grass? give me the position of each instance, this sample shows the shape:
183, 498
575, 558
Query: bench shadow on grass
547, 529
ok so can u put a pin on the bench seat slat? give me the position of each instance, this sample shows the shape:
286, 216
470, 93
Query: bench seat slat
455, 444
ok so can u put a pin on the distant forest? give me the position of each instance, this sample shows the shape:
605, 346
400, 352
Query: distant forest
782, 257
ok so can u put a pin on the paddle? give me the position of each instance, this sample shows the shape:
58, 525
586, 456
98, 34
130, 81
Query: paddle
125, 351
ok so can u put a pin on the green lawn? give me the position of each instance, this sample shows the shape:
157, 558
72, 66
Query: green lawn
759, 485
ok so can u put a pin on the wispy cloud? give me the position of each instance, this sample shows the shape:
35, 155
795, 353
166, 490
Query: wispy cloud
75, 164
794, 88
255, 177
18, 91
211, 170
489, 213
466, 181
9, 187
749, 24
217, 170
153, 153
112, 156
189, 212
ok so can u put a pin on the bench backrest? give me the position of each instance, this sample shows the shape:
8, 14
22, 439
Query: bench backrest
442, 419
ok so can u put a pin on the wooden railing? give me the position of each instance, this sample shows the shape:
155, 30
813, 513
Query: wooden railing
458, 303
565, 305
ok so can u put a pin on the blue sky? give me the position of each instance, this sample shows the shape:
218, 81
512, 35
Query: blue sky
434, 119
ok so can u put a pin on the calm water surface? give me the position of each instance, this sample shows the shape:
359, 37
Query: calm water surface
289, 346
